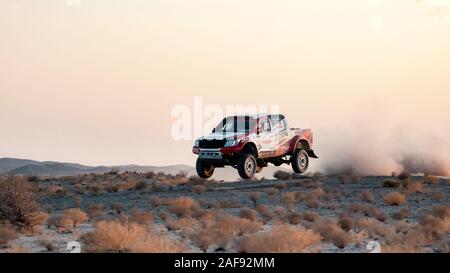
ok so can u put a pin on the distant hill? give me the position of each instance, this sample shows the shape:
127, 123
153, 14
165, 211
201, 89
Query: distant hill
29, 167
51, 168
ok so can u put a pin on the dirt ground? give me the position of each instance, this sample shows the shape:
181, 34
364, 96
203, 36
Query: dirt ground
347, 211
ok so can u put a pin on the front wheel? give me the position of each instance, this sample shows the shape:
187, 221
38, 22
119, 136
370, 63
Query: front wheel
247, 166
204, 170
300, 161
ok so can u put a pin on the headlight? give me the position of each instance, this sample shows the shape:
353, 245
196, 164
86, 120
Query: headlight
231, 143
197, 143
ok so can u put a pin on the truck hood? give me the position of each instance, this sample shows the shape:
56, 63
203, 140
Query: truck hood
226, 135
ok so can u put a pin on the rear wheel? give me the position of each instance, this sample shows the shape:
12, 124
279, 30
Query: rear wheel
300, 161
204, 170
247, 166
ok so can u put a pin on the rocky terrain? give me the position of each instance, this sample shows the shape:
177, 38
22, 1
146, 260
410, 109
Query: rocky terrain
156, 212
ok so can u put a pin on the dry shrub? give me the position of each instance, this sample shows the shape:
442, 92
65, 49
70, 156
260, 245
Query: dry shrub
143, 218
395, 199
61, 223
199, 189
17, 249
249, 214
7, 233
282, 238
294, 218
404, 175
271, 193
401, 214
436, 222
254, 196
96, 212
375, 227
414, 187
155, 201
367, 196
437, 195
183, 206
289, 199
221, 229
345, 222
310, 216
95, 190
389, 183
313, 203
332, 232
77, 216
265, 212
180, 223
117, 207
17, 203
283, 175
115, 236
141, 185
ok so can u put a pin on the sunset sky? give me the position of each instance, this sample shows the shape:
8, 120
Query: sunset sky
94, 81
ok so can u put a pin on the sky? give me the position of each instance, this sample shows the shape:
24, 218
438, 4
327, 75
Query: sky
95, 82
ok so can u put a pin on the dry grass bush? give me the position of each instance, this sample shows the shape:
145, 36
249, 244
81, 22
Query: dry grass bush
61, 223
414, 187
17, 203
404, 175
282, 238
399, 248
180, 223
375, 228
289, 199
390, 183
96, 211
199, 189
7, 234
77, 216
310, 216
249, 214
254, 196
183, 206
272, 194
219, 230
95, 190
115, 236
313, 203
17, 249
332, 232
345, 222
401, 214
283, 175
294, 218
395, 199
437, 195
367, 196
143, 218
265, 212
141, 185
155, 201
436, 222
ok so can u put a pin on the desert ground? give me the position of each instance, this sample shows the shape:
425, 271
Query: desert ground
156, 212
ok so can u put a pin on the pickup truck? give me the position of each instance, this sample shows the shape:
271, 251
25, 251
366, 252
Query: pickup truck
250, 142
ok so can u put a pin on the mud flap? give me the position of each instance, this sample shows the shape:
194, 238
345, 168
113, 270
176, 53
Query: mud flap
312, 154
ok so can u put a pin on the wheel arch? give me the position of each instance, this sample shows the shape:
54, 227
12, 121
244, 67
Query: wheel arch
250, 148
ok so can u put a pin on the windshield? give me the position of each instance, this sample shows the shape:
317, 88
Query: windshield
236, 124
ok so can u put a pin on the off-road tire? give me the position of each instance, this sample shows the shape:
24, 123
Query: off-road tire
204, 170
300, 161
247, 166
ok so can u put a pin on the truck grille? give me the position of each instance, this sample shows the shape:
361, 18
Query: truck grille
211, 144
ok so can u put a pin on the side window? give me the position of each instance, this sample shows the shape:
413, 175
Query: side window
278, 124
264, 126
